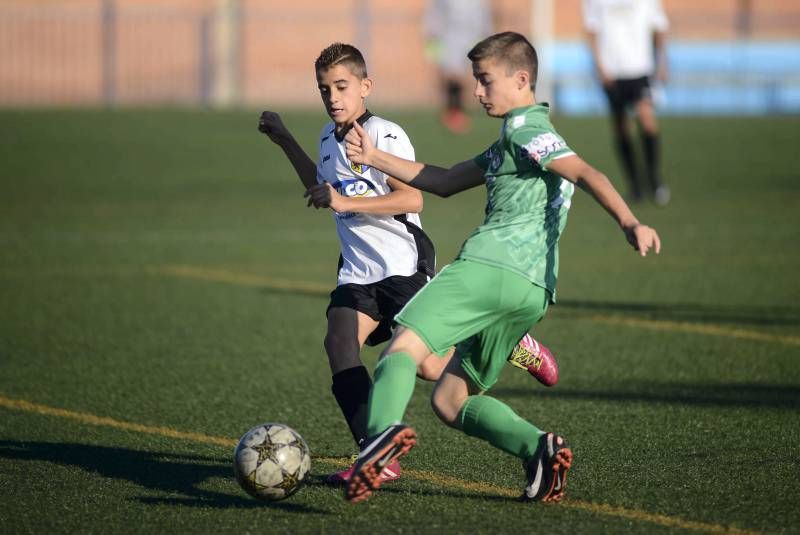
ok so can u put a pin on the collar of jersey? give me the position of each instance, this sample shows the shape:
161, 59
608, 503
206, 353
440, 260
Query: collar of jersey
361, 120
538, 107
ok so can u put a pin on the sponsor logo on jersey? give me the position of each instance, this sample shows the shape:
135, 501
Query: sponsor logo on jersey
326, 158
359, 168
490, 180
390, 135
564, 196
358, 187
495, 159
543, 145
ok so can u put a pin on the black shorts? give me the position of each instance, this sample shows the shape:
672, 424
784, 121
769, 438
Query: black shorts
624, 93
380, 301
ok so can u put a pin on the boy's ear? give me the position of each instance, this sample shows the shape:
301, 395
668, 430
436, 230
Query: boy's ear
523, 78
366, 87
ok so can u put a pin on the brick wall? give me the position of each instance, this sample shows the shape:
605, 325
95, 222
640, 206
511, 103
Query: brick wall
165, 51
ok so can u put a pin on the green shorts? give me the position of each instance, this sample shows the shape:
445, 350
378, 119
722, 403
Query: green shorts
482, 310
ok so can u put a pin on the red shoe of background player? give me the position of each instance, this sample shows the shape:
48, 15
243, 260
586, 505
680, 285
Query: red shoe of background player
456, 121
537, 359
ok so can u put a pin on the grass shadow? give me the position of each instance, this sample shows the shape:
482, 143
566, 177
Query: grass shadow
688, 312
713, 395
165, 472
451, 492
682, 312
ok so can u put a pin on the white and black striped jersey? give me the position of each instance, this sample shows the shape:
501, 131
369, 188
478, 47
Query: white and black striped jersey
374, 247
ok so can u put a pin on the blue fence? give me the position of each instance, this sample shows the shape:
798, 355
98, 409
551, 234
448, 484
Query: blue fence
705, 78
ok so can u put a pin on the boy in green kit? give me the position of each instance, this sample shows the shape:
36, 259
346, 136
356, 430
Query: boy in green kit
500, 284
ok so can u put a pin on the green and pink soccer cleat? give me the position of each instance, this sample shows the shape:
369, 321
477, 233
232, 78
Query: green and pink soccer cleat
535, 357
391, 472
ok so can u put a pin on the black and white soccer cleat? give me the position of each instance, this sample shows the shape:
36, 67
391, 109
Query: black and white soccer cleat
547, 470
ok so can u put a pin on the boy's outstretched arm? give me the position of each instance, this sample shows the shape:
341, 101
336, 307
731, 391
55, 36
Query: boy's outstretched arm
589, 179
437, 180
270, 124
403, 199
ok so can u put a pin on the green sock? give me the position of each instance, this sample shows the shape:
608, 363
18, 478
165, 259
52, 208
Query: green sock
393, 384
496, 423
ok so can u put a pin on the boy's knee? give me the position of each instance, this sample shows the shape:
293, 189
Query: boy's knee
339, 342
343, 351
430, 369
650, 129
446, 408
407, 341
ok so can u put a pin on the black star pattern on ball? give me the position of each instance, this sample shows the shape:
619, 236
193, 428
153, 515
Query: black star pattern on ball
266, 450
289, 482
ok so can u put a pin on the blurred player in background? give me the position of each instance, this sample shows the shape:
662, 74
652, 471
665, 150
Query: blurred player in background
385, 256
451, 28
627, 38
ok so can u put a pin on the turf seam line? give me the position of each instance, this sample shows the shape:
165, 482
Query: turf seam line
421, 475
240, 279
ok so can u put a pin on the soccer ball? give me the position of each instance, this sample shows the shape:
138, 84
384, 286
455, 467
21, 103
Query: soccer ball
271, 461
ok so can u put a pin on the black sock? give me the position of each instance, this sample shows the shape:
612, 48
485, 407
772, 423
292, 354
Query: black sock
650, 143
625, 150
453, 95
351, 389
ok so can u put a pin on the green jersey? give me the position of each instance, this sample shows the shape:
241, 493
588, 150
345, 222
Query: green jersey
526, 205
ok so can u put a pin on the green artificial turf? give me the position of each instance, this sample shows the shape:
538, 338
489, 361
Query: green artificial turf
160, 268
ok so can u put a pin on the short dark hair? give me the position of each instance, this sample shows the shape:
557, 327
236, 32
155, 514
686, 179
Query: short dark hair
511, 49
342, 54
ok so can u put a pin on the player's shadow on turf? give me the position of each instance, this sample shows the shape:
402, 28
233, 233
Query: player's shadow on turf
688, 312
713, 395
165, 472
451, 493
321, 481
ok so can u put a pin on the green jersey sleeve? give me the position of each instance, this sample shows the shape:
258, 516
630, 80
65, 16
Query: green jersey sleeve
540, 145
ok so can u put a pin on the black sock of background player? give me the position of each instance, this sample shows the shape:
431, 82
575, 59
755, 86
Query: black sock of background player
650, 143
351, 389
453, 95
625, 151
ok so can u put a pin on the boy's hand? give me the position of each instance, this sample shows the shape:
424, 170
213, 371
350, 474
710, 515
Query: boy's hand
643, 238
359, 145
270, 124
324, 196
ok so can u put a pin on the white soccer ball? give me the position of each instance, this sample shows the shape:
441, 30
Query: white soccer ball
271, 461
